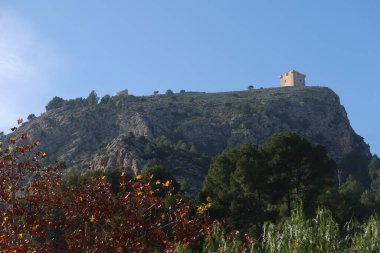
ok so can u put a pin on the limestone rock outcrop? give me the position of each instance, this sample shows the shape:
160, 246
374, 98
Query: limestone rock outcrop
183, 131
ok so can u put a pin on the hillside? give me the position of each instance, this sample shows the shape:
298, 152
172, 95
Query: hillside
183, 131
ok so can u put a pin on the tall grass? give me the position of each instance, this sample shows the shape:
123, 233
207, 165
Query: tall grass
297, 234
367, 239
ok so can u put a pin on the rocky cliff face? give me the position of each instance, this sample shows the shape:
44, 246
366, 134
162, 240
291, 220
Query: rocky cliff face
183, 131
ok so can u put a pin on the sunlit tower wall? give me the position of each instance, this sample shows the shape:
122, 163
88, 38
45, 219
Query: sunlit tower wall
292, 78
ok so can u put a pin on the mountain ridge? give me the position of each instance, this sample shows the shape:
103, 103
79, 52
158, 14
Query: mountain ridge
183, 131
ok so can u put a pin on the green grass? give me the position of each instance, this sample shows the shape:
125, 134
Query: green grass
297, 234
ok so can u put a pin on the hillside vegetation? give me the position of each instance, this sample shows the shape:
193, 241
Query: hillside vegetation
183, 131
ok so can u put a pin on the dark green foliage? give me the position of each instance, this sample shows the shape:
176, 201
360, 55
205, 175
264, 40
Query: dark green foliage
148, 151
251, 184
300, 170
350, 200
356, 164
105, 100
169, 92
238, 183
164, 146
352, 188
31, 116
158, 173
76, 103
92, 98
55, 103
374, 168
371, 197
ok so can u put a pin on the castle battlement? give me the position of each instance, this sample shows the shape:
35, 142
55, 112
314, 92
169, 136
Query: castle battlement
292, 78
122, 93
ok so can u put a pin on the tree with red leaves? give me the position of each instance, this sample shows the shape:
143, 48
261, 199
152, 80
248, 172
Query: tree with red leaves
38, 213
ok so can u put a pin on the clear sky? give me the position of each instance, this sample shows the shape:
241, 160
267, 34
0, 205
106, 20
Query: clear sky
68, 48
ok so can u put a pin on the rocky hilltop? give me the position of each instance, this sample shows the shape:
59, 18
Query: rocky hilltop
183, 131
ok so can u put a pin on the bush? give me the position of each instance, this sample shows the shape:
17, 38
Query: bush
105, 100
55, 103
31, 116
75, 103
169, 92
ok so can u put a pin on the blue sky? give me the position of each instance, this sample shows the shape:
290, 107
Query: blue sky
68, 48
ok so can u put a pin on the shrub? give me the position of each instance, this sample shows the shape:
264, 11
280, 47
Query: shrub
31, 116
169, 92
105, 100
55, 103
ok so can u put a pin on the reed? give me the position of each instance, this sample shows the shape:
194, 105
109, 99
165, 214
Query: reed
298, 234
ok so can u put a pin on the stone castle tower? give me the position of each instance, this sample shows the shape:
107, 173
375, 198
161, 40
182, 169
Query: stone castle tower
292, 78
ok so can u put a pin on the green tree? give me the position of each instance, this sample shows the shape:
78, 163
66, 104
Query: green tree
237, 182
55, 103
148, 150
300, 170
31, 116
169, 92
105, 100
92, 98
356, 164
250, 185
374, 168
371, 197
353, 193
164, 146
77, 102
